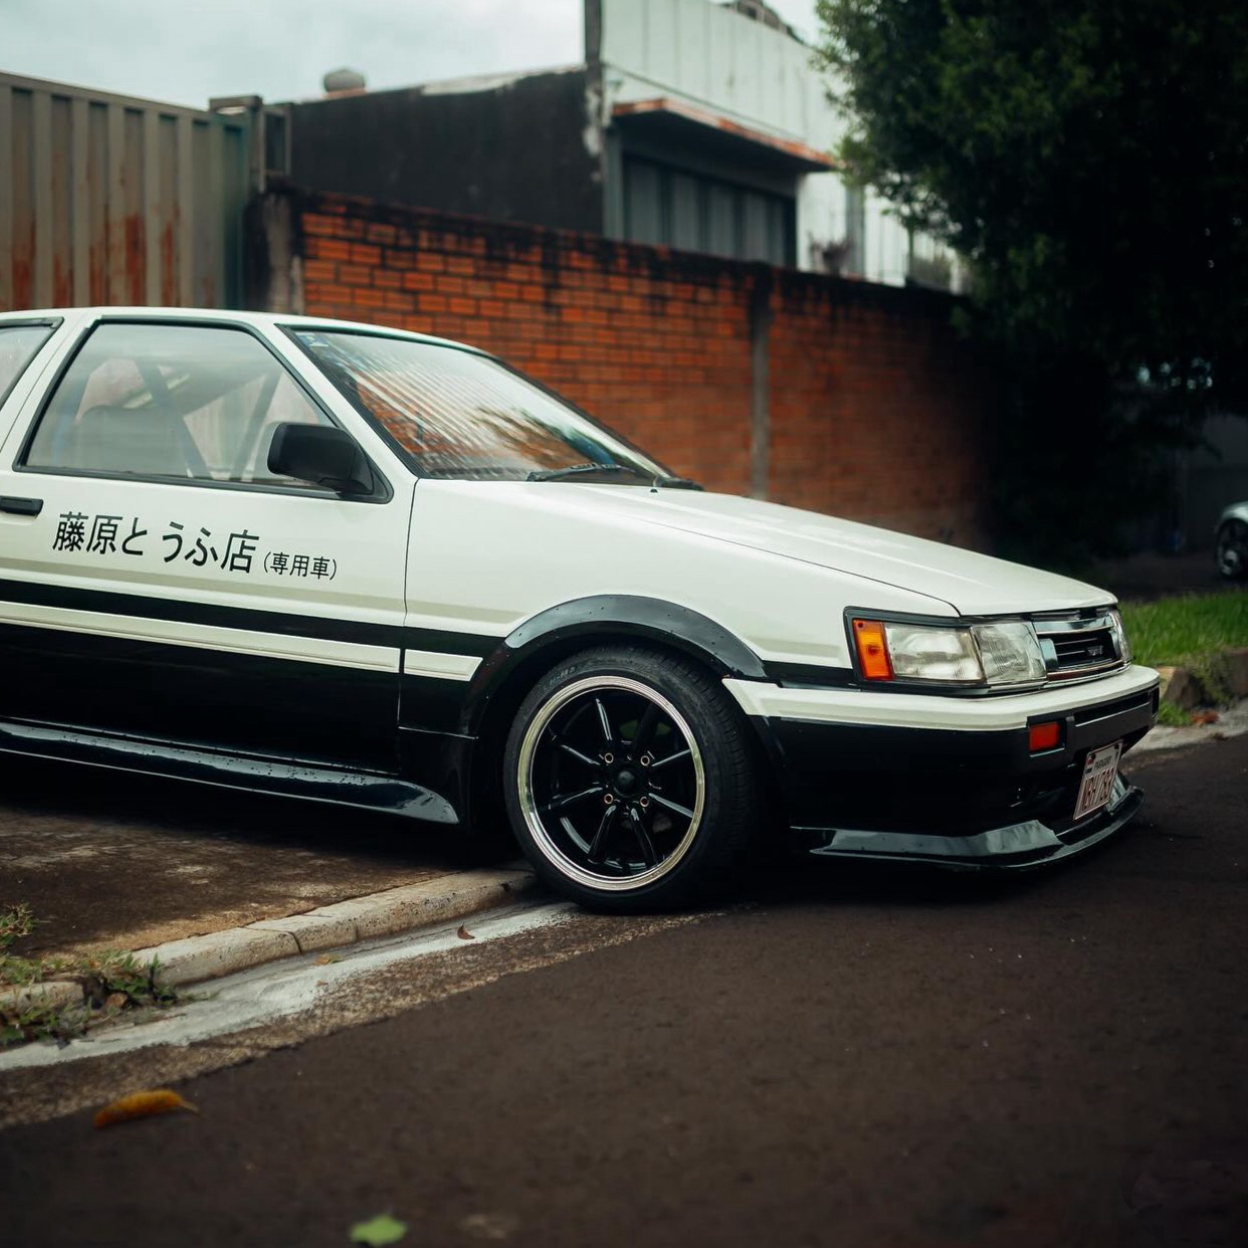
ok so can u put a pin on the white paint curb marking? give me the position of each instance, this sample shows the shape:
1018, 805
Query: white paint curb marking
266, 993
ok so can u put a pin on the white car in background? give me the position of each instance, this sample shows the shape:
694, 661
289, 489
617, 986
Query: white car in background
367, 567
1231, 542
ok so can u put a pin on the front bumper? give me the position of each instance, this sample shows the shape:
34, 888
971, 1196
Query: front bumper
946, 780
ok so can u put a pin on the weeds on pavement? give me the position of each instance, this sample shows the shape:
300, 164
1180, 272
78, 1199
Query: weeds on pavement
111, 982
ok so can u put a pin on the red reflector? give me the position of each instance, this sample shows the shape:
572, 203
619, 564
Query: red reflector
1044, 736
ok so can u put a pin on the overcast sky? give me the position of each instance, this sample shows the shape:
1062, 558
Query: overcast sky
184, 51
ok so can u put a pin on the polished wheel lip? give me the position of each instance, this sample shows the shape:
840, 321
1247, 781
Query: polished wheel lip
528, 802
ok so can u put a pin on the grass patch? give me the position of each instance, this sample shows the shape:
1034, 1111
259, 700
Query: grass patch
1192, 631
112, 982
15, 922
1186, 628
1172, 717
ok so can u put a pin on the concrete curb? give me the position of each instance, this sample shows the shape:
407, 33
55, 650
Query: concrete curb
198, 958
1182, 687
448, 897
52, 994
1232, 721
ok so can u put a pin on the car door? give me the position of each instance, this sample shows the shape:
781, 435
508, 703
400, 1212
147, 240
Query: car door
164, 585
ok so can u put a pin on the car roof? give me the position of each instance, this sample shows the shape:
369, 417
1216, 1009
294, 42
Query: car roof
231, 316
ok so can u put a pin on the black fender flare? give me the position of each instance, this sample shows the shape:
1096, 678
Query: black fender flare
585, 620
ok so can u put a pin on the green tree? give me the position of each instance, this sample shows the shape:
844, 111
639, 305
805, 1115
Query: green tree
1089, 159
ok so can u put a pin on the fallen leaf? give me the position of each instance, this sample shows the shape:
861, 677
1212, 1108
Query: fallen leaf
465, 934
115, 1000
378, 1231
491, 1226
141, 1105
326, 958
1205, 717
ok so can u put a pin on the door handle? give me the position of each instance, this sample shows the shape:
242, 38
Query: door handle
21, 506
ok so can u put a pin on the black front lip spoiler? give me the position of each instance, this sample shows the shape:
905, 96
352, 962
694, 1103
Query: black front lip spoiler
1015, 847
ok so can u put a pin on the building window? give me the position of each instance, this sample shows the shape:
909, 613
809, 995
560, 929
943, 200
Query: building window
855, 232
669, 207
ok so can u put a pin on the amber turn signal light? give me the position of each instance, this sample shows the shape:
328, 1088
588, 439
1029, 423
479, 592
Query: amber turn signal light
872, 646
1044, 736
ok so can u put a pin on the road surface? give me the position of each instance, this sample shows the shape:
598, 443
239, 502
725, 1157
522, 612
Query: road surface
847, 1058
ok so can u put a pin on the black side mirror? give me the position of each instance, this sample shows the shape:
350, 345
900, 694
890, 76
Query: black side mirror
322, 455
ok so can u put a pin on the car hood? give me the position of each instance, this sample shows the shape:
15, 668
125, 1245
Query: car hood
972, 584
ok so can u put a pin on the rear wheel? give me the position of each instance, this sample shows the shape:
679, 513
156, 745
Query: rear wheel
631, 780
1232, 550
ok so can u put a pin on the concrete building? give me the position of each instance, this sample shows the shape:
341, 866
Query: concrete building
698, 125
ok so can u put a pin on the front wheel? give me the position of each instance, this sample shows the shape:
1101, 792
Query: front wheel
631, 780
1232, 550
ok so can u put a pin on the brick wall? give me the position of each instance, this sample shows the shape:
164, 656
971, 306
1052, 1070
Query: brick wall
878, 410
871, 407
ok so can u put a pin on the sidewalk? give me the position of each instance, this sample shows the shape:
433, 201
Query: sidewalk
123, 862
1231, 721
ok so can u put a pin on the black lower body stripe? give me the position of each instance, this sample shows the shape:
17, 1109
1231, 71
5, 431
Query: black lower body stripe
439, 641
183, 611
186, 611
433, 704
214, 698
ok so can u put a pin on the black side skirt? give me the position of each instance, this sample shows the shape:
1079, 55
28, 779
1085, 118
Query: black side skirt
251, 774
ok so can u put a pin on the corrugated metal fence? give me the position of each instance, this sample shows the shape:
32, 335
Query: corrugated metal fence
110, 200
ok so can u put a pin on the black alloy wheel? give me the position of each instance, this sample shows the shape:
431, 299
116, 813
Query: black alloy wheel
631, 783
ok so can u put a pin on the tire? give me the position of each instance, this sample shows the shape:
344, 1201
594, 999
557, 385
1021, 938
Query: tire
632, 782
1232, 550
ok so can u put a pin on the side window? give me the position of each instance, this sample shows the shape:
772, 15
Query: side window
187, 402
18, 345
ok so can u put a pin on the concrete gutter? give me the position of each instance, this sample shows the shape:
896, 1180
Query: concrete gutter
198, 958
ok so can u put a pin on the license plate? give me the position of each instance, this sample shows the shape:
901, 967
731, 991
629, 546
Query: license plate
1099, 773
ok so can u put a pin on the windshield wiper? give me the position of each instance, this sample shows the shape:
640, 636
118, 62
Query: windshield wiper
577, 470
554, 474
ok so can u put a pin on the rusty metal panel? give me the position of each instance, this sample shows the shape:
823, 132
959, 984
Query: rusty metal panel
106, 199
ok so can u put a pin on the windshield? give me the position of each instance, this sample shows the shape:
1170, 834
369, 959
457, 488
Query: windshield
462, 415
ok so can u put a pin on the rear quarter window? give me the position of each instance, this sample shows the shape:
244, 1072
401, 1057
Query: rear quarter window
19, 344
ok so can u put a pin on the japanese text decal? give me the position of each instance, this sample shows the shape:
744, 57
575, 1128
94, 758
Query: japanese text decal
234, 552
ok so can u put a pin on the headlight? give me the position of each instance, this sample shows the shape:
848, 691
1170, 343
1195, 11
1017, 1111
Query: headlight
1010, 652
1124, 646
995, 654
919, 652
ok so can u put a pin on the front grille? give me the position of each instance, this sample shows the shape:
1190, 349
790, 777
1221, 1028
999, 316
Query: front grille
1078, 646
1085, 649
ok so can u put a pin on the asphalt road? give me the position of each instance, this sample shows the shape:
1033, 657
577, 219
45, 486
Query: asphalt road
851, 1059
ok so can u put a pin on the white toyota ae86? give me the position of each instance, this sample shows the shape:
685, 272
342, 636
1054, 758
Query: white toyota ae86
367, 567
